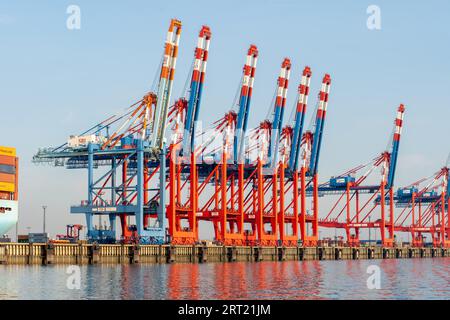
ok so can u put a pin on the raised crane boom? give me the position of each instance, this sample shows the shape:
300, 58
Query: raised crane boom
165, 84
302, 102
197, 80
395, 145
280, 103
319, 125
244, 102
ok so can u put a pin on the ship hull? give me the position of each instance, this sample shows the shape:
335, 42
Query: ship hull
9, 214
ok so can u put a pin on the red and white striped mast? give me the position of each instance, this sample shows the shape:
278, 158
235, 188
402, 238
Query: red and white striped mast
165, 84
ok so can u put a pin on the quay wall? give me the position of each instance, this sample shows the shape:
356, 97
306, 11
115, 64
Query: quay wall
24, 253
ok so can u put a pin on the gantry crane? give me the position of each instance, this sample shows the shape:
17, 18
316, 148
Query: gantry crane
131, 158
179, 212
262, 216
189, 179
424, 206
261, 192
348, 212
290, 217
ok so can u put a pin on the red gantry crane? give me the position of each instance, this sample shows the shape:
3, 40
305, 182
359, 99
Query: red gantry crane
254, 187
352, 213
424, 205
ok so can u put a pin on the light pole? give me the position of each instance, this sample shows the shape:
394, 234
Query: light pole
369, 233
44, 208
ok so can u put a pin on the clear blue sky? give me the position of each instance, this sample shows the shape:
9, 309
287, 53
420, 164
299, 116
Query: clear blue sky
55, 82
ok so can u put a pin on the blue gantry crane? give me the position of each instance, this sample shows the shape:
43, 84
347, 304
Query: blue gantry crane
130, 159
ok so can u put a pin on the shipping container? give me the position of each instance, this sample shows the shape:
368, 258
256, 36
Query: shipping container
22, 238
77, 142
406, 192
38, 237
341, 181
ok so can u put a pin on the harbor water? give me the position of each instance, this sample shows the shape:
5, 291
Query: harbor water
346, 279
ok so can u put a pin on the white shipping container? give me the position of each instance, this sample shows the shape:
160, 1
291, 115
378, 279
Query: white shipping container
83, 141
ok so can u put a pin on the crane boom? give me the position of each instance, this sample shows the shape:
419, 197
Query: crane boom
198, 77
395, 145
319, 125
303, 90
165, 84
244, 102
280, 103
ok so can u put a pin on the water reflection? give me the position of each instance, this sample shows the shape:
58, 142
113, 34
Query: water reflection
400, 279
182, 281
